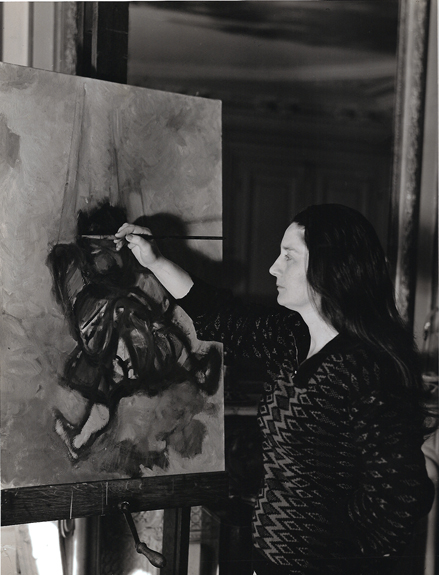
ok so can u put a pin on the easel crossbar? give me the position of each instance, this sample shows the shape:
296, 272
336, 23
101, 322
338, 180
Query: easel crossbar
67, 501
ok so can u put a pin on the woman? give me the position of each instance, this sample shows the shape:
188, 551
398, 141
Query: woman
342, 415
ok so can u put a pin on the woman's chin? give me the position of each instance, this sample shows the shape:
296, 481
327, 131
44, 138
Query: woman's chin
280, 299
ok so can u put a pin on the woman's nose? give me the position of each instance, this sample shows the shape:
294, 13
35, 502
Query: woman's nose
274, 269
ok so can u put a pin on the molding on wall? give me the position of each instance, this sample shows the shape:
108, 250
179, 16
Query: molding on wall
66, 30
408, 140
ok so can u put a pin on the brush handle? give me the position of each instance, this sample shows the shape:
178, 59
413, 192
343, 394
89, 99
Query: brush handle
151, 237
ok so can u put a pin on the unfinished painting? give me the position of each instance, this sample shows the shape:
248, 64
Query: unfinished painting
103, 376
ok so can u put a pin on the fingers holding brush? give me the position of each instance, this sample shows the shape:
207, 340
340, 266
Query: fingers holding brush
136, 238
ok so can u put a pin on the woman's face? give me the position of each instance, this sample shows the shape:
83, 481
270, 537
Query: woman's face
290, 271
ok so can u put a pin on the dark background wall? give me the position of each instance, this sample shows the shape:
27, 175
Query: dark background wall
307, 90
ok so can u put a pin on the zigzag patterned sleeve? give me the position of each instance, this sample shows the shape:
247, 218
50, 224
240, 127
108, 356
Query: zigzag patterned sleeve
247, 331
394, 490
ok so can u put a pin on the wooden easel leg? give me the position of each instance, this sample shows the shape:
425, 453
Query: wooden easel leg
176, 527
86, 548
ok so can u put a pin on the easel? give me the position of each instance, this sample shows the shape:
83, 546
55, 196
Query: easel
101, 44
175, 494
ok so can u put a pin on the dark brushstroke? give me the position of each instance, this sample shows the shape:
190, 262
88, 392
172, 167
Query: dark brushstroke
127, 346
9, 144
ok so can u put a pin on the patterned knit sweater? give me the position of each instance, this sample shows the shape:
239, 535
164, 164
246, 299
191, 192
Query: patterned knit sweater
344, 475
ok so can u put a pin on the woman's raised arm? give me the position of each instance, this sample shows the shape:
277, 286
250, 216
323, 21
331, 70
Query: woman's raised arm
173, 278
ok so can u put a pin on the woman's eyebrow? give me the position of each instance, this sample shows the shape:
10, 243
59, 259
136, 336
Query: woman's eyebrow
290, 249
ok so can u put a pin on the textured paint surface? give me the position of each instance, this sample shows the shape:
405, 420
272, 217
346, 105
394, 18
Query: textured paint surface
67, 143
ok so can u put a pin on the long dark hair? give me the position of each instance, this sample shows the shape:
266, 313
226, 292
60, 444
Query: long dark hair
347, 269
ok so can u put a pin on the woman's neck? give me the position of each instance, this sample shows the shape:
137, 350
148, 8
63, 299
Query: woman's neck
320, 331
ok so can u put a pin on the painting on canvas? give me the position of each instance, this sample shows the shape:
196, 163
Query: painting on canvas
103, 376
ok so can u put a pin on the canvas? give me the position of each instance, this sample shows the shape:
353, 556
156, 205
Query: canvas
103, 376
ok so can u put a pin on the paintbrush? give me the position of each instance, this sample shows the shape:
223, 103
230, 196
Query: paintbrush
150, 237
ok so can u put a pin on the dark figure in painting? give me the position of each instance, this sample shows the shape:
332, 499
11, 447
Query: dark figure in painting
128, 346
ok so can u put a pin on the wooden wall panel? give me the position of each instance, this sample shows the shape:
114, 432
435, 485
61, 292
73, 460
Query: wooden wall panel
269, 177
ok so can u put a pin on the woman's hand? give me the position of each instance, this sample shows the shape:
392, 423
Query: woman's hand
176, 280
145, 251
